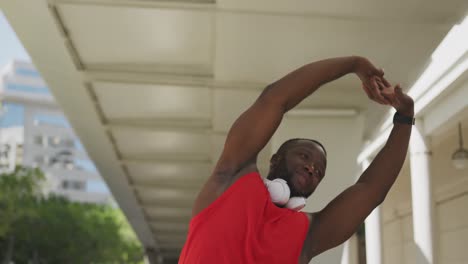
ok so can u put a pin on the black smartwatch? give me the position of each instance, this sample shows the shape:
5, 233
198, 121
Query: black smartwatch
402, 119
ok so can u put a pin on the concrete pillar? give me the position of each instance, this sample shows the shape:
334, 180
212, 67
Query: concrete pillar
422, 200
373, 224
153, 256
350, 251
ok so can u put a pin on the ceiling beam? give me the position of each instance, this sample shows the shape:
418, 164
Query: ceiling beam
163, 232
168, 236
160, 203
173, 194
108, 75
454, 104
192, 185
166, 157
169, 218
177, 4
168, 226
200, 71
210, 5
172, 123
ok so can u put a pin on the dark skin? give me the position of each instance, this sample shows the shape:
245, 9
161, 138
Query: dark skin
303, 165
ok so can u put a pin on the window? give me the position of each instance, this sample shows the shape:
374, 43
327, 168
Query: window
27, 88
12, 115
73, 185
41, 160
39, 140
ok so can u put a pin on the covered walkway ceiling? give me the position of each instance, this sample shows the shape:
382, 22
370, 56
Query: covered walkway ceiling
151, 87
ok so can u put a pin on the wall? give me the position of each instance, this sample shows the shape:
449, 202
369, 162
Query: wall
451, 214
451, 230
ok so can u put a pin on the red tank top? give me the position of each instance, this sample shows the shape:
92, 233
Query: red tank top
243, 226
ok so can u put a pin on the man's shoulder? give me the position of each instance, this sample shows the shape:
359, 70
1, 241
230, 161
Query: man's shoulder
217, 184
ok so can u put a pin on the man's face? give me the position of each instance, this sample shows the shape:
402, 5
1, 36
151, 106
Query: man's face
302, 166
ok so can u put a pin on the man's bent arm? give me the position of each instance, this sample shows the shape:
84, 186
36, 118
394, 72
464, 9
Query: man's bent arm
341, 217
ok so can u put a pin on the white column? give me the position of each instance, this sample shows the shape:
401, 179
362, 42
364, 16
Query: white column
373, 224
422, 200
350, 251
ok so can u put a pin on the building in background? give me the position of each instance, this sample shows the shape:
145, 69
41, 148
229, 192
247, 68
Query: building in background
34, 132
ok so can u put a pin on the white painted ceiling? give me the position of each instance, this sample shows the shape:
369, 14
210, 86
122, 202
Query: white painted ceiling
165, 79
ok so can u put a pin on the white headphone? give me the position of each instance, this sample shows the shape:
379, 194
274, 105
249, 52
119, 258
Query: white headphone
280, 194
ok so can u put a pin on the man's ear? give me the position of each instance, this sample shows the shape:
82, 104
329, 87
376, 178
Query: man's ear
274, 160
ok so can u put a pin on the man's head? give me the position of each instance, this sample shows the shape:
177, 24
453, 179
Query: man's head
301, 163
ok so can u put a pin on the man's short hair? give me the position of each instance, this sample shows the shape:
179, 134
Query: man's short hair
288, 143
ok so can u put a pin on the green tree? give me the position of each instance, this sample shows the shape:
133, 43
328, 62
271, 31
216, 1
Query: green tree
18, 192
60, 231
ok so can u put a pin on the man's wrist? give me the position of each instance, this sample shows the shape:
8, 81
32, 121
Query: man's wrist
407, 112
403, 118
355, 61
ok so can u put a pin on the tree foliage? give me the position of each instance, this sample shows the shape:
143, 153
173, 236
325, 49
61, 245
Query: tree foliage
55, 230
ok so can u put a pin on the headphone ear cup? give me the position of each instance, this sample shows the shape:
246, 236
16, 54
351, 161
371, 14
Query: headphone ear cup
296, 203
279, 191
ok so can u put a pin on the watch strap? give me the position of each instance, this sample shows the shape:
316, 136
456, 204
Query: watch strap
402, 119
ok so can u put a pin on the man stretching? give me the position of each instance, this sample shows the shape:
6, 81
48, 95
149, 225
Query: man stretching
238, 218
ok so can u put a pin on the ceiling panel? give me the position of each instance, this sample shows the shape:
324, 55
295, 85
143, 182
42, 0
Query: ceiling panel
147, 143
144, 36
265, 48
161, 212
143, 101
229, 104
418, 11
172, 239
188, 173
175, 227
166, 195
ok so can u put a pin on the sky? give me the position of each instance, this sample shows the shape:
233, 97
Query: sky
10, 46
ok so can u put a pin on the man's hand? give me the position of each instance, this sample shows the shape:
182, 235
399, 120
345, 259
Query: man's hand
369, 75
400, 101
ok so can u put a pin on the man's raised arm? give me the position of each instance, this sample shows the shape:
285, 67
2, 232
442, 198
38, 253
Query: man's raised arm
342, 216
254, 128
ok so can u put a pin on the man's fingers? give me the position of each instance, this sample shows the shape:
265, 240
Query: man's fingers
389, 99
381, 85
380, 72
373, 82
399, 91
371, 93
397, 102
368, 92
385, 82
378, 92
399, 95
379, 98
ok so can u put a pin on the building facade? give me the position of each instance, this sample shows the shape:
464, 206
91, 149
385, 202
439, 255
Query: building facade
35, 133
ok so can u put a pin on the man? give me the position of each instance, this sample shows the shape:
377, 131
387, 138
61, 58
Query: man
234, 219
